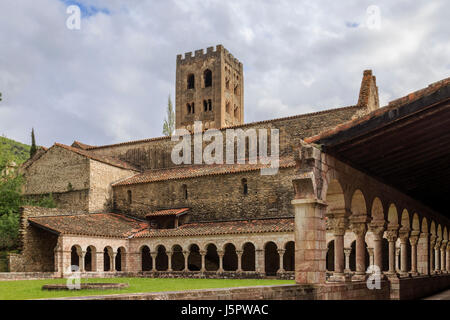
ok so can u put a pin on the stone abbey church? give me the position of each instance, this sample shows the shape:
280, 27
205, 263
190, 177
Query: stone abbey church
357, 186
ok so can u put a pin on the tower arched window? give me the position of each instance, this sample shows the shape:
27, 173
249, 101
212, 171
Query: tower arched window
209, 105
205, 105
227, 107
188, 108
236, 111
191, 81
208, 78
244, 186
193, 107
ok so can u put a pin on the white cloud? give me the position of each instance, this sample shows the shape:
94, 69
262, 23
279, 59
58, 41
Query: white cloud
109, 81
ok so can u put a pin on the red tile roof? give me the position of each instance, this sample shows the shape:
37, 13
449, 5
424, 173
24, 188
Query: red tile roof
191, 171
167, 212
93, 224
80, 145
104, 159
219, 228
391, 106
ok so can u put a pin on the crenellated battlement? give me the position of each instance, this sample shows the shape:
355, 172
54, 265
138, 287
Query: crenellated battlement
189, 57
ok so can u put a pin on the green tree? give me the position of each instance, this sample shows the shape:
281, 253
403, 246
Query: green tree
33, 144
169, 122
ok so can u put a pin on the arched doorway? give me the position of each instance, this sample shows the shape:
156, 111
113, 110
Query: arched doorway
146, 259
177, 258
194, 259
330, 256
162, 260
248, 257
271, 259
289, 256
230, 258
211, 258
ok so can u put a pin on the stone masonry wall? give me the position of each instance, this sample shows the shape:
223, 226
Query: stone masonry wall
37, 245
156, 153
268, 196
100, 190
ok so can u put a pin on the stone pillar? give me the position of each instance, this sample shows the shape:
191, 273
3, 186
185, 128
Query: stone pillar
404, 238
371, 256
100, 261
339, 227
397, 260
310, 241
81, 257
281, 255
423, 255
392, 239
220, 254
448, 257
239, 255
186, 260
347, 252
437, 257
259, 261
153, 255
432, 261
113, 261
203, 266
377, 230
443, 259
360, 229
169, 260
413, 239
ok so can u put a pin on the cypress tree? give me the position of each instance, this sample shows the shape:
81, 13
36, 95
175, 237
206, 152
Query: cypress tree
33, 148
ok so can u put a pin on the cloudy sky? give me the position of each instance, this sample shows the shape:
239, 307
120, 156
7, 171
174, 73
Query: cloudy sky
109, 81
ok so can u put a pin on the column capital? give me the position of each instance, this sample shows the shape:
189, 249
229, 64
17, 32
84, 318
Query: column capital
377, 230
347, 251
403, 234
220, 253
281, 251
359, 229
202, 252
413, 240
239, 252
392, 235
444, 244
338, 225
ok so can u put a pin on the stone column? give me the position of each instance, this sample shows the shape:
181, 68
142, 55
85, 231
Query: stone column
259, 261
377, 230
113, 261
432, 261
239, 255
397, 260
413, 239
339, 227
392, 238
437, 257
310, 241
82, 256
169, 260
360, 230
203, 267
153, 255
448, 257
220, 254
443, 259
347, 252
371, 256
186, 260
281, 255
404, 238
423, 256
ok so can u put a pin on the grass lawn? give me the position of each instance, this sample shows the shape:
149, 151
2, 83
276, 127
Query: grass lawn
31, 289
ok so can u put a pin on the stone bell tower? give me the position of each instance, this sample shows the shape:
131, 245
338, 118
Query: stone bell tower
209, 88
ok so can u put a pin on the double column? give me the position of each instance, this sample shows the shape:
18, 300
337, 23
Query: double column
377, 228
339, 224
392, 235
404, 238
359, 228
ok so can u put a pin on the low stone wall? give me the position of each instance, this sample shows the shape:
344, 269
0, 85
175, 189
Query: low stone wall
418, 287
350, 291
7, 276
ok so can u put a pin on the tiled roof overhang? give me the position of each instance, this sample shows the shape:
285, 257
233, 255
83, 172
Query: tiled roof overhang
167, 212
405, 144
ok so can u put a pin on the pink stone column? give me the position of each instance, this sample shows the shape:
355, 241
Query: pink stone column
378, 231
432, 261
259, 261
443, 259
281, 255
153, 255
413, 241
100, 261
186, 260
310, 241
239, 255
220, 254
339, 252
360, 230
169, 260
392, 238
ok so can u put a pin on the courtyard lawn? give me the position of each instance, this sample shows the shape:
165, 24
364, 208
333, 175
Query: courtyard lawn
31, 289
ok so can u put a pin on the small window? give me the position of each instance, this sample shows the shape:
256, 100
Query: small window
236, 111
193, 107
209, 105
244, 186
208, 78
129, 199
185, 191
227, 84
188, 108
191, 81
227, 107
205, 105
236, 90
